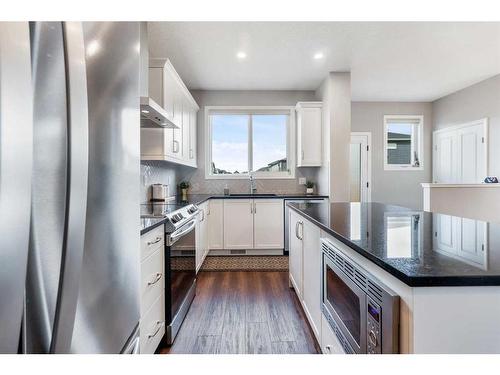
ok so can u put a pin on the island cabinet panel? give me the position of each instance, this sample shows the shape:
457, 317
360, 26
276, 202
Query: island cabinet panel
312, 275
330, 344
216, 224
268, 224
238, 223
295, 253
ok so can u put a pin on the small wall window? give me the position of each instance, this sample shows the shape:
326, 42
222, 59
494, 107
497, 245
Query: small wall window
249, 140
403, 142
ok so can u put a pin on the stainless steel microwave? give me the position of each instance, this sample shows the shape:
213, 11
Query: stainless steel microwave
362, 311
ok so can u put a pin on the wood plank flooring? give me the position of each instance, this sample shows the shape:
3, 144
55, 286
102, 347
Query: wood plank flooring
244, 313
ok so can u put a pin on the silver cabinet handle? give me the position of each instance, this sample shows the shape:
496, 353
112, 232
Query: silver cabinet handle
329, 348
176, 149
301, 231
159, 324
157, 278
297, 230
251, 207
302, 154
156, 240
191, 154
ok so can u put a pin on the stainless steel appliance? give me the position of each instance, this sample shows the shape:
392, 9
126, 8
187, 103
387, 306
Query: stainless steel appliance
82, 236
180, 261
159, 193
363, 312
287, 217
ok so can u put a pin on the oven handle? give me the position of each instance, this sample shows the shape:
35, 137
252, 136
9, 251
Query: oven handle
185, 229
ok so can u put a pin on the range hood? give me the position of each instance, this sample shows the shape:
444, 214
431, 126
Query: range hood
153, 115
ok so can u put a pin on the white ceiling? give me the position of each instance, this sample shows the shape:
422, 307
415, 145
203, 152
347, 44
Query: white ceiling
402, 61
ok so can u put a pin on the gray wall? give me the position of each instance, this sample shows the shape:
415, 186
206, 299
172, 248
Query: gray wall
473, 103
241, 98
394, 187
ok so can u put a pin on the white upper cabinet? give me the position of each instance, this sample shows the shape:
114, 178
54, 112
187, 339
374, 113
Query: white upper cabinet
268, 224
309, 137
216, 224
174, 145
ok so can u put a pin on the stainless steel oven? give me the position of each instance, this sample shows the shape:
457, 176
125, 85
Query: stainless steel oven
180, 273
363, 312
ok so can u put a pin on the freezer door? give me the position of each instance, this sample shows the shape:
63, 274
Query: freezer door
59, 187
108, 307
16, 111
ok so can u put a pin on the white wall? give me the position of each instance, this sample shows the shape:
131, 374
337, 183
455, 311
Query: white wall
394, 187
241, 98
333, 176
473, 103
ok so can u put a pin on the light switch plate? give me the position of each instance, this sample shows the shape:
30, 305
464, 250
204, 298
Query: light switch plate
302, 180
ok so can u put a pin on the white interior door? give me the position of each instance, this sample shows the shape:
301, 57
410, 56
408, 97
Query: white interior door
360, 167
471, 148
445, 156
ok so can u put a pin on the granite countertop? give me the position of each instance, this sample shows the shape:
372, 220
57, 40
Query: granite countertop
148, 223
405, 242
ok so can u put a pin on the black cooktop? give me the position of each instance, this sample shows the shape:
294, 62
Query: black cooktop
419, 248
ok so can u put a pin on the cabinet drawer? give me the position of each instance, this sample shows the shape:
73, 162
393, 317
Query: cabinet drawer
152, 326
152, 279
330, 344
151, 241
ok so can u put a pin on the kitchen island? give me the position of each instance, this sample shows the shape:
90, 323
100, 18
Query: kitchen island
445, 269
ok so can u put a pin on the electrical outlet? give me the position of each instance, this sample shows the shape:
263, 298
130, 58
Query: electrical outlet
302, 180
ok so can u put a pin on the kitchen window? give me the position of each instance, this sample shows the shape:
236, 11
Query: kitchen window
249, 140
403, 142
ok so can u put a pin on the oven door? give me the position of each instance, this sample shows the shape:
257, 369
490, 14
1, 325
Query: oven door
182, 258
346, 303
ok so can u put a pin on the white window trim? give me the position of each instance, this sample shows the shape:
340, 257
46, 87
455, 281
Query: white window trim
420, 151
290, 110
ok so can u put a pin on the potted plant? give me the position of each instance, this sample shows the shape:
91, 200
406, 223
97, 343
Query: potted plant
309, 187
184, 186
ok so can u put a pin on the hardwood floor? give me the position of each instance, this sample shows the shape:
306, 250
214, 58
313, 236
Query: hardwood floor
244, 313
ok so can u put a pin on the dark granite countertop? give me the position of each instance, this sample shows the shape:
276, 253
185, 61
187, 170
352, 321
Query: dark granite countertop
148, 223
409, 245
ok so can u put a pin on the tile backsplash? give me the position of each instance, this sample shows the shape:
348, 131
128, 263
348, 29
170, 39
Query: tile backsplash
157, 172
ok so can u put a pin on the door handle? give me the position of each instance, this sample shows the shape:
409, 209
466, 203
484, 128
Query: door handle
78, 123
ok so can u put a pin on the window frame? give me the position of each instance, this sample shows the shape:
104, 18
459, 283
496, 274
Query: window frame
251, 110
420, 145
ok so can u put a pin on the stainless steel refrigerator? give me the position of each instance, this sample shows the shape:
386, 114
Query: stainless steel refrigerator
69, 187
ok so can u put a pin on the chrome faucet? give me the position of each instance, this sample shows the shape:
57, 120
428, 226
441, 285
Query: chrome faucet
253, 188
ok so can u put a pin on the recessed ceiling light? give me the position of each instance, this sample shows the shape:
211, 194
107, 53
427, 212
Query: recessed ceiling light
241, 55
318, 55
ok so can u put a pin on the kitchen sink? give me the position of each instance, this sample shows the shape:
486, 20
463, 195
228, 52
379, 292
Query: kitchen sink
253, 195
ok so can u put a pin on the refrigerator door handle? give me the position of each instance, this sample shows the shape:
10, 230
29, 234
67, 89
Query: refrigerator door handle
76, 197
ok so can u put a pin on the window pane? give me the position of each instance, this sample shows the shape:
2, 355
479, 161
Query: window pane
399, 143
269, 143
229, 144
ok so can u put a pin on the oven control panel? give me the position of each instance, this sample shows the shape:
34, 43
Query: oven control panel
374, 328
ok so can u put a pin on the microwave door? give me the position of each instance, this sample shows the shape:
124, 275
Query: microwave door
347, 305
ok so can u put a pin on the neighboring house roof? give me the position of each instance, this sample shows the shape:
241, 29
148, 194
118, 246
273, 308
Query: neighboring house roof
398, 136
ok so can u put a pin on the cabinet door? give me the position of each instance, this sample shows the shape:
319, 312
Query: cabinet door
445, 157
192, 137
268, 224
201, 235
238, 223
312, 276
216, 224
309, 137
169, 89
472, 240
295, 253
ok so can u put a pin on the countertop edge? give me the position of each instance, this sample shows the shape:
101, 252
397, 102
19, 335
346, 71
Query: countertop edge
412, 281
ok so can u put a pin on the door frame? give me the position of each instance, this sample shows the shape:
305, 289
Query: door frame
482, 121
367, 191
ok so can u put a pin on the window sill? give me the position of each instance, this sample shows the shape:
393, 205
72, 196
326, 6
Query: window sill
246, 177
401, 168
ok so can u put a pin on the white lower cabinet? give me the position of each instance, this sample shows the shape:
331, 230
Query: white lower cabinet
268, 224
202, 233
152, 292
152, 326
253, 224
311, 293
330, 344
238, 223
216, 224
295, 255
